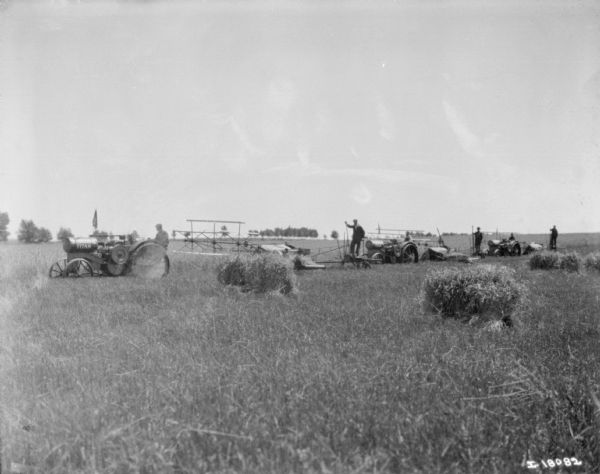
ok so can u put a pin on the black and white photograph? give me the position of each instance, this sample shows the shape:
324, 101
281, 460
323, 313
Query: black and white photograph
299, 236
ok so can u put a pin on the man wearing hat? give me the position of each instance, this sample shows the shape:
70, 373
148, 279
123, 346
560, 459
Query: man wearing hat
358, 234
478, 239
162, 237
553, 237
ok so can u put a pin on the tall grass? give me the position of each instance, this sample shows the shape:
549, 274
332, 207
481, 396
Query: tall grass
182, 374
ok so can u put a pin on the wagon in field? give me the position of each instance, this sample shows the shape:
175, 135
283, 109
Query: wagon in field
106, 255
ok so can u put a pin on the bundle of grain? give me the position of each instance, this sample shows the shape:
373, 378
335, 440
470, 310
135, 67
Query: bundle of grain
570, 262
232, 272
259, 273
483, 290
592, 261
271, 273
545, 260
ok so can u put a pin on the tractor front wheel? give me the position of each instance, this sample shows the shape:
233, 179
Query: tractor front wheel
79, 267
58, 269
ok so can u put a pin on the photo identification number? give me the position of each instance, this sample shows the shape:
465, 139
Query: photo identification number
551, 463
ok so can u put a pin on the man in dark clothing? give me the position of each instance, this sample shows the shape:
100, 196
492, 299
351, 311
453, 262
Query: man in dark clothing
358, 234
162, 237
553, 237
478, 239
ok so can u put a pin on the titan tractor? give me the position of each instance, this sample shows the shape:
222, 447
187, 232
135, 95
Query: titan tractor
108, 255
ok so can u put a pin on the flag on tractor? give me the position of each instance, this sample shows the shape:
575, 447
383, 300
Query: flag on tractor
95, 219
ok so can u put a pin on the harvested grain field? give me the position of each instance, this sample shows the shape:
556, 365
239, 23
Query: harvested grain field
184, 374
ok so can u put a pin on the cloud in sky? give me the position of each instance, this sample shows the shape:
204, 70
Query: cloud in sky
386, 121
280, 100
240, 160
361, 194
307, 168
470, 142
282, 94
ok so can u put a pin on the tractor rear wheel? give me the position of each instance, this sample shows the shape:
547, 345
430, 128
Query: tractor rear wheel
410, 255
150, 261
113, 269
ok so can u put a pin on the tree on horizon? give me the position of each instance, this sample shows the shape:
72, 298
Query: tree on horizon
32, 234
290, 232
64, 233
4, 221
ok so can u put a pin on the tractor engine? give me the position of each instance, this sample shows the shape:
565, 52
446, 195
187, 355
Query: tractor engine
80, 244
374, 244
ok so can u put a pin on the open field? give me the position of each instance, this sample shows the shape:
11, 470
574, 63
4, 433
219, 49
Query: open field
184, 375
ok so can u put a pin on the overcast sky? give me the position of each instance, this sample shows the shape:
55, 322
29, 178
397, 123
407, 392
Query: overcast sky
407, 114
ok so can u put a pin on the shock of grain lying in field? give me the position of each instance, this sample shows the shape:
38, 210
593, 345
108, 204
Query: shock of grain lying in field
483, 290
570, 261
259, 273
549, 260
592, 261
545, 260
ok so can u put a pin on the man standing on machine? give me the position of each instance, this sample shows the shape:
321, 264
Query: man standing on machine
358, 234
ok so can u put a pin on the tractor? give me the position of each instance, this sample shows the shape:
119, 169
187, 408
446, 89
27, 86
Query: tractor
109, 255
392, 251
504, 248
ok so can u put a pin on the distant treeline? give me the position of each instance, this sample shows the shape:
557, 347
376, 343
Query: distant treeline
289, 232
